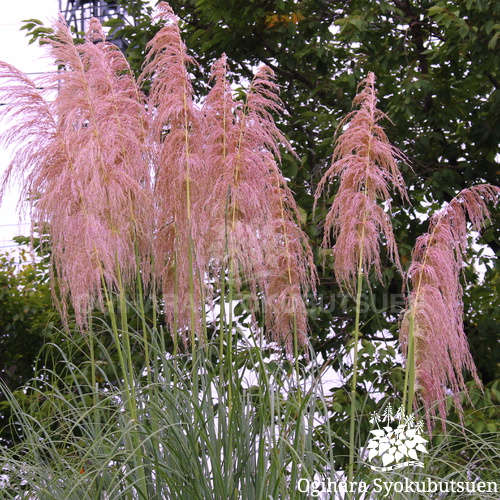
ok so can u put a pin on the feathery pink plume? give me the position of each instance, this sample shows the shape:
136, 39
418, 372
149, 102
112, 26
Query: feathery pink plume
366, 164
292, 272
435, 302
179, 170
85, 171
253, 214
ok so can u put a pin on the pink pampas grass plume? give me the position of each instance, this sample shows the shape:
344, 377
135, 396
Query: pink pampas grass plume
435, 303
179, 173
84, 165
292, 272
254, 216
366, 165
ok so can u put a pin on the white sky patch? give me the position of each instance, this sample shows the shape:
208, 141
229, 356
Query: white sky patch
15, 50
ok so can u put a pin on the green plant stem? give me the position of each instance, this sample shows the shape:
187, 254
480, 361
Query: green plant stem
192, 324
175, 333
128, 378
296, 352
222, 328
143, 320
192, 320
355, 367
230, 333
116, 337
126, 341
154, 305
409, 383
93, 377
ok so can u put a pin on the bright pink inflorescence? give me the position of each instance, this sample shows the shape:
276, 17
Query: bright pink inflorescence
366, 165
435, 302
84, 161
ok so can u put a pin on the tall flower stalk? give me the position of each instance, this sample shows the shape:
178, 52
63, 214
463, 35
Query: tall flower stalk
192, 194
178, 176
432, 330
254, 233
366, 165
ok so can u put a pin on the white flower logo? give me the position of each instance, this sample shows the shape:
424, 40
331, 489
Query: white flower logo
395, 447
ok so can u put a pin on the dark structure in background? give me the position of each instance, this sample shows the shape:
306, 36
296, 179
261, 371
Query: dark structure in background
77, 14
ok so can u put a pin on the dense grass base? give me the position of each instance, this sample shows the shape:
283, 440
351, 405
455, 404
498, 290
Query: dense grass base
246, 431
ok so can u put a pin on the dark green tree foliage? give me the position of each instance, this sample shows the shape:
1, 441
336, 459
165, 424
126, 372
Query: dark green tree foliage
27, 320
436, 64
26, 315
438, 72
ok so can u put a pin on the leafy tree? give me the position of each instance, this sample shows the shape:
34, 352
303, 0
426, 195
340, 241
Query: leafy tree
27, 319
438, 76
26, 315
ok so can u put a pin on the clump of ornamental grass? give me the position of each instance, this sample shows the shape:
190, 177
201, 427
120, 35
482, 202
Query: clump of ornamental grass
132, 187
83, 161
253, 232
192, 448
366, 166
432, 330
